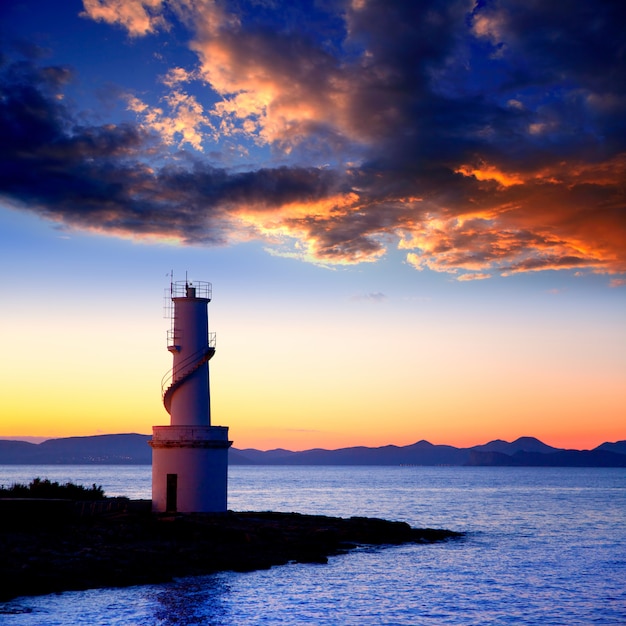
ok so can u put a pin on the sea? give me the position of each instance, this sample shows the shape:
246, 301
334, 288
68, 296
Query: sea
542, 546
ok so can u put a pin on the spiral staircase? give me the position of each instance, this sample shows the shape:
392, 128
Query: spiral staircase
170, 382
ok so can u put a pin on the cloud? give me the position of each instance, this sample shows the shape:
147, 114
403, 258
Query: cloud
480, 139
183, 125
99, 177
370, 297
177, 75
139, 17
475, 276
279, 88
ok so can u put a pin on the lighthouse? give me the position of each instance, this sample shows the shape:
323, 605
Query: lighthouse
190, 456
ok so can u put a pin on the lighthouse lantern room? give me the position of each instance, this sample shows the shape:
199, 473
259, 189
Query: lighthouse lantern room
190, 456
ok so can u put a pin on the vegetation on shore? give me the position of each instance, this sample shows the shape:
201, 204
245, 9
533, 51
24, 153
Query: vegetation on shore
44, 488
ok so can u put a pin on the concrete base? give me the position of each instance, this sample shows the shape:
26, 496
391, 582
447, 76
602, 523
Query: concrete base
190, 468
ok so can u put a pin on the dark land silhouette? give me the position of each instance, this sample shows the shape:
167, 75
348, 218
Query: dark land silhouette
60, 545
131, 449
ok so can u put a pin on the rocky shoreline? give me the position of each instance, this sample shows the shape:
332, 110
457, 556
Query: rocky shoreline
47, 554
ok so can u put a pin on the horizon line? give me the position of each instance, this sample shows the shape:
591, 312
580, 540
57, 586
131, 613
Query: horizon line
36, 440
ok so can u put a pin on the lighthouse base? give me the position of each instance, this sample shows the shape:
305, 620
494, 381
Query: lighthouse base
189, 469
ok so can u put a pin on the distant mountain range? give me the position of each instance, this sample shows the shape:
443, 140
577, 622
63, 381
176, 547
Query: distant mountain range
132, 449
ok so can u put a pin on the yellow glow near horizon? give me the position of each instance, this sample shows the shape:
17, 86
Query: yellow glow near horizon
325, 378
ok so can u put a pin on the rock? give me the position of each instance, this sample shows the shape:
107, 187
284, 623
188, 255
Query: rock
137, 547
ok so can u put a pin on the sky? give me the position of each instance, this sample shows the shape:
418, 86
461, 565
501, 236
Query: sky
413, 216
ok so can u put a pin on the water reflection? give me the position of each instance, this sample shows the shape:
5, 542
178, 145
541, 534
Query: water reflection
184, 602
191, 601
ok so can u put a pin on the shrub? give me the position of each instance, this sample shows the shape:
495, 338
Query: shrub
44, 488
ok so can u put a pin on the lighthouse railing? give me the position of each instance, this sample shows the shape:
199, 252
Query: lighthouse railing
202, 289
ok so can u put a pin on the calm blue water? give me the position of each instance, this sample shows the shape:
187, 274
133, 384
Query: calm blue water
544, 546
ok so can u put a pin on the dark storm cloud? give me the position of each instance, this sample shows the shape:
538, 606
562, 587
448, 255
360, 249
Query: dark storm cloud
100, 176
435, 94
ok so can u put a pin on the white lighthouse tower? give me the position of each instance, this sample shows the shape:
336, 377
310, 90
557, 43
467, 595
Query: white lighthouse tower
189, 457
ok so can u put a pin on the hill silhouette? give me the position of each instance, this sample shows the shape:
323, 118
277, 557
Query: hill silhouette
133, 449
